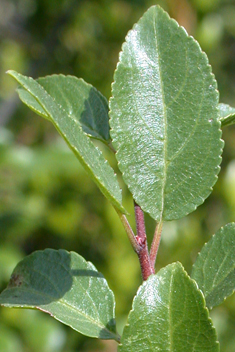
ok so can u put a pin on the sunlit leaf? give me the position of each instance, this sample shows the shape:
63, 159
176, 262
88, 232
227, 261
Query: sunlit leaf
214, 269
164, 118
70, 129
67, 287
169, 314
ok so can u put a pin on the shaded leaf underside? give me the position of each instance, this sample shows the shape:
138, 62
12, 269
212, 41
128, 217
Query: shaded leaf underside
36, 97
78, 99
67, 287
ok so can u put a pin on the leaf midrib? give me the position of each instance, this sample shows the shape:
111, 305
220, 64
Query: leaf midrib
164, 121
228, 272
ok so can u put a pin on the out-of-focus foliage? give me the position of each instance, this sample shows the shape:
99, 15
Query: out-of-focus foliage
46, 198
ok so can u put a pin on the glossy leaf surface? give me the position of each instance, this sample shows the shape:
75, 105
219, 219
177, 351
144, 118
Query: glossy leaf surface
70, 128
169, 314
164, 118
227, 114
214, 269
67, 287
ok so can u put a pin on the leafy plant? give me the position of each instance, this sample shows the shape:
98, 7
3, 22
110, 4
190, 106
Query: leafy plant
165, 121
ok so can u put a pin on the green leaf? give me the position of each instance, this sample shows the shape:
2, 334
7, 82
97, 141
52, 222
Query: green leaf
67, 287
80, 100
69, 127
214, 269
164, 118
169, 314
227, 114
32, 103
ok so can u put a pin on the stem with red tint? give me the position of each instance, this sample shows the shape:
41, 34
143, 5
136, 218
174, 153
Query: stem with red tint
143, 253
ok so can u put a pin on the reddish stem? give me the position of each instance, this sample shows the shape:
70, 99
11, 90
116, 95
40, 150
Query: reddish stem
146, 268
139, 242
140, 225
142, 252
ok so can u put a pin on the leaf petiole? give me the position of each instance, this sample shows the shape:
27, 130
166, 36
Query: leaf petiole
129, 231
155, 244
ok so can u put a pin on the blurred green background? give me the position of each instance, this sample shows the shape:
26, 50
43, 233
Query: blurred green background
46, 198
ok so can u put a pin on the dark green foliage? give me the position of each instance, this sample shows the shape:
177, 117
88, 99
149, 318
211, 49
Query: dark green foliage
48, 201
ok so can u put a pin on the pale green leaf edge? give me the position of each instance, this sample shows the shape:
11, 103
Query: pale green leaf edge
227, 114
116, 201
24, 96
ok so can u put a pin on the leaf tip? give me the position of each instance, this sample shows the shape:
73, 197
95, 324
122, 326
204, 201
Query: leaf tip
11, 72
